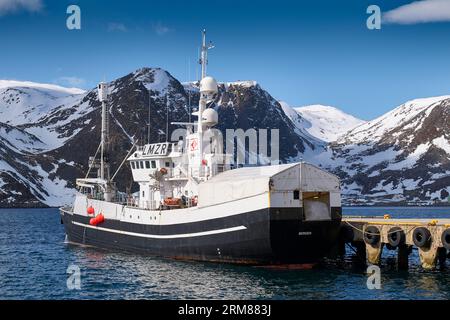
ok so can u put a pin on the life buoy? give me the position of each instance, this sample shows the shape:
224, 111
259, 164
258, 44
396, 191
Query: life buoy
396, 237
163, 171
446, 239
422, 237
372, 235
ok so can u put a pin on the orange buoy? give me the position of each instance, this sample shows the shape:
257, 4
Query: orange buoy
91, 211
100, 218
97, 220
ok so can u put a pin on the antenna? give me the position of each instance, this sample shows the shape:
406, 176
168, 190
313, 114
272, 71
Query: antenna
189, 91
149, 116
167, 118
204, 53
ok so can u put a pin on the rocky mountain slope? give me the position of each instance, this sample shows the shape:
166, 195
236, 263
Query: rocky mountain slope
47, 134
401, 157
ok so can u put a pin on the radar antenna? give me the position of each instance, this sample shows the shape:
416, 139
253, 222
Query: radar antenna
204, 53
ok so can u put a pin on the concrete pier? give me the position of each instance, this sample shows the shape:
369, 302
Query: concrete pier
430, 236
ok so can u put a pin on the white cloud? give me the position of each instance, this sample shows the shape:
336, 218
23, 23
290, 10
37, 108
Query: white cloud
115, 26
423, 11
12, 6
161, 29
71, 82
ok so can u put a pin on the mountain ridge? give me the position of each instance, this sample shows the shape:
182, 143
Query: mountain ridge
46, 139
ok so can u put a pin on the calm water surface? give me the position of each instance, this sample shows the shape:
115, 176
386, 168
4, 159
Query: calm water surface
34, 261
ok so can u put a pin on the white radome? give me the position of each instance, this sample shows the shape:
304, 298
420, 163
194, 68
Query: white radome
208, 86
210, 117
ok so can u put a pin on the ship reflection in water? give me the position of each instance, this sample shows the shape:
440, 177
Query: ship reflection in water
119, 275
35, 258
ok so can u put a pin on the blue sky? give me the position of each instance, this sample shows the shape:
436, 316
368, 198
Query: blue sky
302, 52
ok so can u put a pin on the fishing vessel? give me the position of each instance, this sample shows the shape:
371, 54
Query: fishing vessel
194, 204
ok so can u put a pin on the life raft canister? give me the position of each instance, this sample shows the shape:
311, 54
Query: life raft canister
172, 202
97, 220
91, 211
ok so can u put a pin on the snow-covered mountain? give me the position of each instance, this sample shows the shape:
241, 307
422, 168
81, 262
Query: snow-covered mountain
327, 123
402, 156
47, 134
50, 132
41, 109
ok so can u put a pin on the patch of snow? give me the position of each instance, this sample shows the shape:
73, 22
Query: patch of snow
327, 123
19, 140
412, 158
42, 86
160, 83
442, 143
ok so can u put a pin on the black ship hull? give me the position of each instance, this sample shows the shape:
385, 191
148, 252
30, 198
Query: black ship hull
263, 237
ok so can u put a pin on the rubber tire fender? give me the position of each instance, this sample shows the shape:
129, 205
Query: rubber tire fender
422, 237
446, 239
396, 237
372, 235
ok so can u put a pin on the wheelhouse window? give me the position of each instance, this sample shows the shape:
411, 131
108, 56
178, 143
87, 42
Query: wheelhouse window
142, 164
296, 195
168, 164
133, 165
147, 164
153, 164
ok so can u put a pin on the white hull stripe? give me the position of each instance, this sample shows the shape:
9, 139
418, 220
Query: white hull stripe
172, 236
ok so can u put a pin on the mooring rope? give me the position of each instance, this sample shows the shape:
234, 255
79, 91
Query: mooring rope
376, 234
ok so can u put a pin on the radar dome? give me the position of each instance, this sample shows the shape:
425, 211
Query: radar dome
208, 86
210, 117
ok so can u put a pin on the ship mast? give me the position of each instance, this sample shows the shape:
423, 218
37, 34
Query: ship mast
103, 97
204, 53
202, 102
